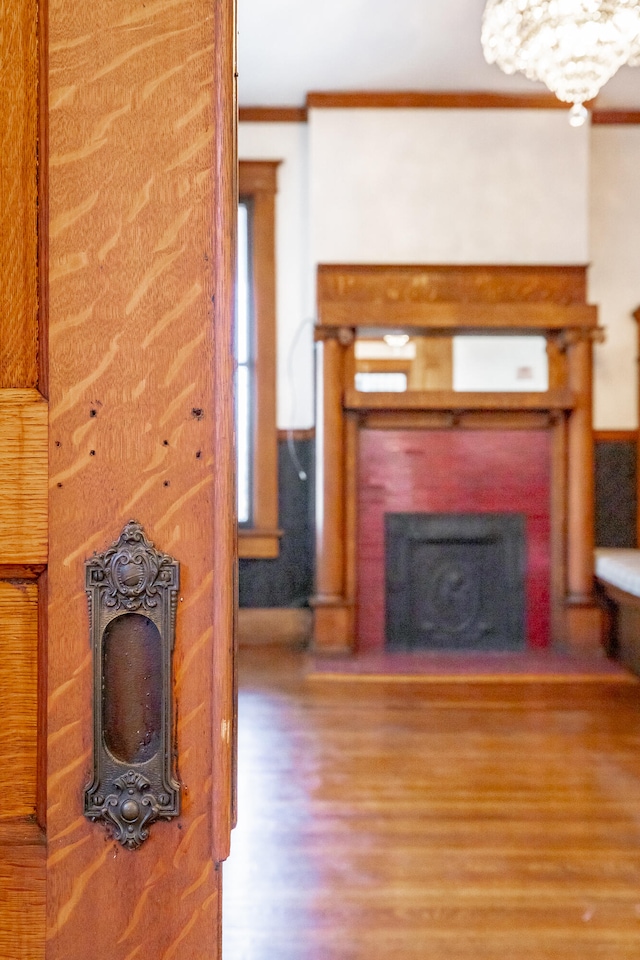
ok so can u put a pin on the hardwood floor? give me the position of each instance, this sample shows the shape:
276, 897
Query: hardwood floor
391, 821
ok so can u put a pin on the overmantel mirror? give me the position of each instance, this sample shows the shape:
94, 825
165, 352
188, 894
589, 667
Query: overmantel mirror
395, 361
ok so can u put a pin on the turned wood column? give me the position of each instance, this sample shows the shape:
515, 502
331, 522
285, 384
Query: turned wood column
583, 620
333, 613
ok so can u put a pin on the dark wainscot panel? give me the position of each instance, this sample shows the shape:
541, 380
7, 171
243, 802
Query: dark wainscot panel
616, 496
288, 580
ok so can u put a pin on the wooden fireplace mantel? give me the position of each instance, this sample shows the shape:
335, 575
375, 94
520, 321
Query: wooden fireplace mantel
441, 301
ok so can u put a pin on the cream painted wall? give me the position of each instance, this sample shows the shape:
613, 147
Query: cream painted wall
614, 278
455, 186
288, 142
447, 186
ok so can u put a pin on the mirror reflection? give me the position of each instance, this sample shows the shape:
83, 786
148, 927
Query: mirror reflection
396, 362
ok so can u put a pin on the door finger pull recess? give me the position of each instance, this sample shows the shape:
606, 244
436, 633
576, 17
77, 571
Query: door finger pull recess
132, 591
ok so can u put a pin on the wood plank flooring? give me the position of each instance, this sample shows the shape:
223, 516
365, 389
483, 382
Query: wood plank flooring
433, 822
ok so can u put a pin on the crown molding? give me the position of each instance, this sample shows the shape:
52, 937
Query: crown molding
272, 114
419, 99
611, 117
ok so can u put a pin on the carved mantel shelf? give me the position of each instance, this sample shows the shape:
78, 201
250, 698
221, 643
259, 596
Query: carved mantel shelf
443, 301
457, 402
463, 317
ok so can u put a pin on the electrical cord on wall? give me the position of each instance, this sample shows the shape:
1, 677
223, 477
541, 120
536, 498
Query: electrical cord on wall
293, 453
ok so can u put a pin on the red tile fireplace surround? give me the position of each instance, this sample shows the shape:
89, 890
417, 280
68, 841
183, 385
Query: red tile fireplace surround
440, 451
452, 471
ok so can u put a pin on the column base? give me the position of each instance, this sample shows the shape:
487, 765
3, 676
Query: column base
333, 632
584, 628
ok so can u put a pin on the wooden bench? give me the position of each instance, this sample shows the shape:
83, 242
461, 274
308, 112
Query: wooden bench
618, 582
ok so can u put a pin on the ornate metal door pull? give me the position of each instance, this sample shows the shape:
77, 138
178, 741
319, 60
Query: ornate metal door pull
132, 591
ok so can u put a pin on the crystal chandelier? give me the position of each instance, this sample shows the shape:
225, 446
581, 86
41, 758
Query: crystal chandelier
573, 46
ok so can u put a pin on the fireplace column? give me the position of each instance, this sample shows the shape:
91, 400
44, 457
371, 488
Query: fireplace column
583, 617
333, 610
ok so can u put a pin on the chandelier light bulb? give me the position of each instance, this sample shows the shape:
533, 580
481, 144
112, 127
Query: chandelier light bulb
578, 115
572, 46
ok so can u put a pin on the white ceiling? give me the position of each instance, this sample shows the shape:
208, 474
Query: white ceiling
287, 48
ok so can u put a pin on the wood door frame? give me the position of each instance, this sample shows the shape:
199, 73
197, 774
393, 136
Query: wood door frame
125, 227
121, 120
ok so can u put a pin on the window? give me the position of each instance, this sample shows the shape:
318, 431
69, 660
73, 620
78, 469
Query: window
244, 360
258, 534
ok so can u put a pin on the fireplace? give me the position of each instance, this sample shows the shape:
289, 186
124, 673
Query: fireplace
523, 442
479, 472
455, 581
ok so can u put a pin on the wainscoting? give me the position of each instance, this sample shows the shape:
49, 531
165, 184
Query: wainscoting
288, 581
616, 455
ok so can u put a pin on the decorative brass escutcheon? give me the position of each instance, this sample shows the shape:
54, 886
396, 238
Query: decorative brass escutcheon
132, 591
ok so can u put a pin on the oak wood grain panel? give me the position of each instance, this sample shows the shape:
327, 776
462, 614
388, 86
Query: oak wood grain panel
18, 194
43, 198
22, 892
467, 283
142, 201
223, 795
41, 746
23, 477
18, 702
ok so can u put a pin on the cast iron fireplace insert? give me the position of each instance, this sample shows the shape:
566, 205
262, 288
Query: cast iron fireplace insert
455, 581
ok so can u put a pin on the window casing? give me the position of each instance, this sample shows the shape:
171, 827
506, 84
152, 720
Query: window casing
258, 533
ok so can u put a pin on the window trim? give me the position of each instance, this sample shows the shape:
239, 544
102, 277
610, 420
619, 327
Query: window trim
257, 182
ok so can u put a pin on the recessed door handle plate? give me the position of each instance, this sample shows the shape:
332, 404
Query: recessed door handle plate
132, 590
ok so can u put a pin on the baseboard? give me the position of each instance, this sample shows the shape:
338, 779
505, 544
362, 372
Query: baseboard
282, 625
